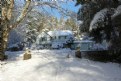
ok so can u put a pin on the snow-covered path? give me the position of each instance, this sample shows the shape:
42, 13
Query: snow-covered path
52, 65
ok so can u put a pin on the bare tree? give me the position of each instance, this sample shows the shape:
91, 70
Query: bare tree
6, 24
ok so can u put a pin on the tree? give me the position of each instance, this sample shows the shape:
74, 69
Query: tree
6, 24
90, 8
71, 24
35, 21
101, 18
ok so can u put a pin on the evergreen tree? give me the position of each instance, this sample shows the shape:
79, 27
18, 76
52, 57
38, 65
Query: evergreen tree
101, 18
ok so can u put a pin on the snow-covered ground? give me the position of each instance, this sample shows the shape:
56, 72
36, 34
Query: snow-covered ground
53, 65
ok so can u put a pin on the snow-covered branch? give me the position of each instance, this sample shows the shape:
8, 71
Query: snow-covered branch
98, 18
9, 13
23, 13
53, 5
117, 12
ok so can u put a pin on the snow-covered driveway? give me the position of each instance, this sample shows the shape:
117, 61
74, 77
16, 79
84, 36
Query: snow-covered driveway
53, 65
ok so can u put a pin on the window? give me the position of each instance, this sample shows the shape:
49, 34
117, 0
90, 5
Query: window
62, 37
43, 39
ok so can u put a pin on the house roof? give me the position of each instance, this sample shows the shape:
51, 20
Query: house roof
56, 33
60, 33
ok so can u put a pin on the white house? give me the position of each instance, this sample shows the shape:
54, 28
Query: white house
55, 39
65, 38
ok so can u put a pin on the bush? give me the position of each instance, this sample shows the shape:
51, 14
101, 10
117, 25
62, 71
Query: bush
16, 47
103, 56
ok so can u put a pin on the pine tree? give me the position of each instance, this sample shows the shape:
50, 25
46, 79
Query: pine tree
101, 18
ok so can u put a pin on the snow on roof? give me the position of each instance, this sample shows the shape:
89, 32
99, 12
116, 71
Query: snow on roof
56, 33
60, 33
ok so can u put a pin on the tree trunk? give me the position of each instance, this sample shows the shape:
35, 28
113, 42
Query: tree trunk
4, 32
6, 23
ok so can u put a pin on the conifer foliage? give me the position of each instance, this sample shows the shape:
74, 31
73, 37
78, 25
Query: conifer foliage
101, 19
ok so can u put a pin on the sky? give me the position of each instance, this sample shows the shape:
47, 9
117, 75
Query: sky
66, 4
70, 5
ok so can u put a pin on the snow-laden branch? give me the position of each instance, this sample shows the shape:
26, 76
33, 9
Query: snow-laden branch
117, 12
53, 5
98, 18
23, 13
9, 13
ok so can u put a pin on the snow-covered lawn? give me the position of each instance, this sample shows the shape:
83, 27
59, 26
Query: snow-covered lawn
53, 65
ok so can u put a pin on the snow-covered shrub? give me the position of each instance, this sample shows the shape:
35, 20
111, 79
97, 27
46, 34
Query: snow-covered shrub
16, 47
15, 37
